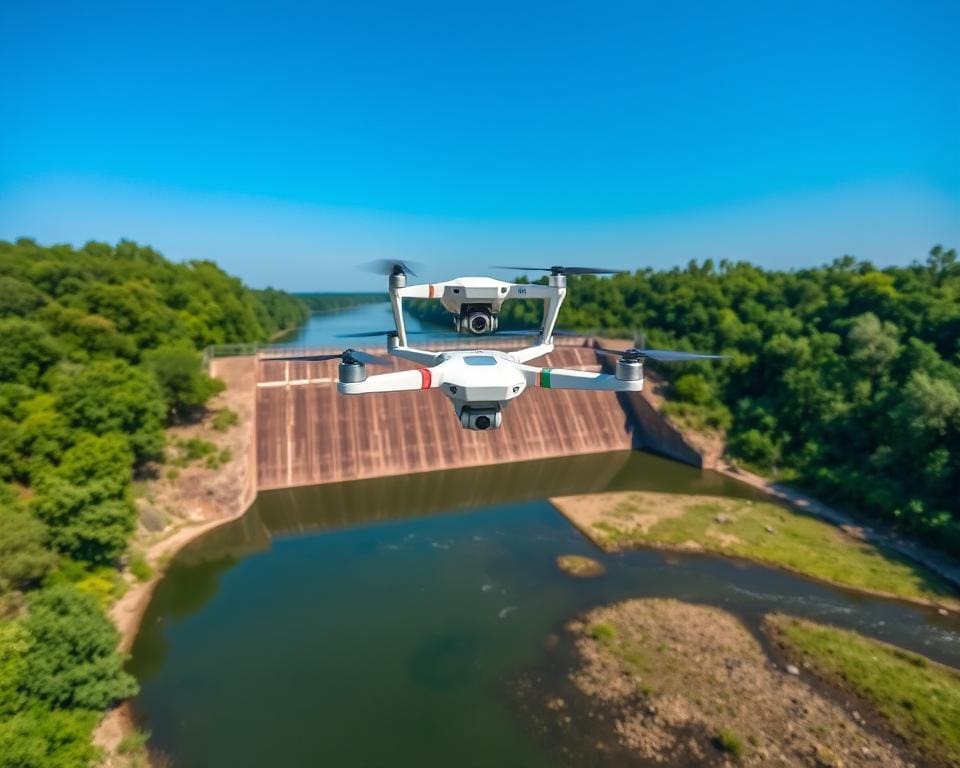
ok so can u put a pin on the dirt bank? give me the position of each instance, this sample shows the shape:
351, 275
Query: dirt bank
176, 509
689, 684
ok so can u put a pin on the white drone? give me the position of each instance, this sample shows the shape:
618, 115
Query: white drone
482, 382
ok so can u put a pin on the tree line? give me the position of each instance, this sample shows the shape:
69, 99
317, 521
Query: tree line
843, 379
98, 354
329, 302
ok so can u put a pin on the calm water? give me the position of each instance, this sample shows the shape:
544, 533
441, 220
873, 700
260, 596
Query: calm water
383, 622
327, 328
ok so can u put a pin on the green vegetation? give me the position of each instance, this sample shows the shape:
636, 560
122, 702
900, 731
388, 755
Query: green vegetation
728, 741
223, 419
844, 379
329, 302
139, 567
918, 698
766, 533
602, 631
98, 354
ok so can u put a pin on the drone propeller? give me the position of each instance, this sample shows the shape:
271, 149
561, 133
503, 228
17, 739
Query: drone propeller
559, 270
369, 334
353, 356
388, 267
663, 355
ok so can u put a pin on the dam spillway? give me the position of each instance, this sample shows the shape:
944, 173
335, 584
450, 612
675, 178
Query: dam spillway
307, 433
298, 430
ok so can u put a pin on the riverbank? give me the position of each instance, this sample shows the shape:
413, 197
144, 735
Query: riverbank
180, 505
689, 684
918, 699
758, 531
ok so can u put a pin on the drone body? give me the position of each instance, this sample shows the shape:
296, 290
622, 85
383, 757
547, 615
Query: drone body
481, 382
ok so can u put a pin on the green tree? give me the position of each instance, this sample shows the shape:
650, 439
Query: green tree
26, 351
113, 396
18, 298
186, 386
87, 522
72, 660
24, 556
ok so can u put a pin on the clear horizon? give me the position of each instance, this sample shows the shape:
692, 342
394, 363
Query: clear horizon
289, 145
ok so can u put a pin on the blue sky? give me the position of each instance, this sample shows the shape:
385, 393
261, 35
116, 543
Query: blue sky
288, 142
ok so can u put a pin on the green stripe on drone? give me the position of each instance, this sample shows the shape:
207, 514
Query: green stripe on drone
545, 378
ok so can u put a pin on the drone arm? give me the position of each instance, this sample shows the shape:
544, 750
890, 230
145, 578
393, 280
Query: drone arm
422, 356
552, 297
397, 381
424, 291
563, 378
531, 353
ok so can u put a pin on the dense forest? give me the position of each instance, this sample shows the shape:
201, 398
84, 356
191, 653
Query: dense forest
329, 302
844, 379
98, 353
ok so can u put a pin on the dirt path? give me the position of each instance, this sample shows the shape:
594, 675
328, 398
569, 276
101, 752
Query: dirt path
688, 684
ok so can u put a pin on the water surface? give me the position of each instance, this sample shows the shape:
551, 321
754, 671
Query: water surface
383, 622
331, 329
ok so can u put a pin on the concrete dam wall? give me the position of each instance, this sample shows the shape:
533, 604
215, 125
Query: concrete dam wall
308, 434
303, 432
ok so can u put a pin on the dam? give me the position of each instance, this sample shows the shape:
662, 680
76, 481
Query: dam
305, 433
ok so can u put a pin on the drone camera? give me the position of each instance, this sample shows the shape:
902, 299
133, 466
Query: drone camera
477, 319
480, 419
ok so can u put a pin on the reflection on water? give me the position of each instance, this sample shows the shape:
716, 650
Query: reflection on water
381, 622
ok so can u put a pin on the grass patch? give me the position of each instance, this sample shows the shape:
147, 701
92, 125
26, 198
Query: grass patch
769, 533
224, 419
133, 742
729, 742
139, 567
191, 449
918, 698
602, 632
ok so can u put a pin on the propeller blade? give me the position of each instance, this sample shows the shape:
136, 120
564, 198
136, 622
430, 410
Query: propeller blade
561, 270
367, 334
592, 271
388, 267
303, 358
663, 355
350, 354
668, 355
366, 357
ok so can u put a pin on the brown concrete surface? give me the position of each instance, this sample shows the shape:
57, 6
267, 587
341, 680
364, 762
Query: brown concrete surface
309, 434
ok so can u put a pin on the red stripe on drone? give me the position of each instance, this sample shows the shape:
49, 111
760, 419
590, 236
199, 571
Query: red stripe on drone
431, 291
425, 378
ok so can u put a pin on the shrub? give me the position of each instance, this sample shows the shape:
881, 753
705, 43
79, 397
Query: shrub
729, 742
224, 419
72, 661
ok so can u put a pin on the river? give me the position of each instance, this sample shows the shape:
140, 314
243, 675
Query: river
386, 622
